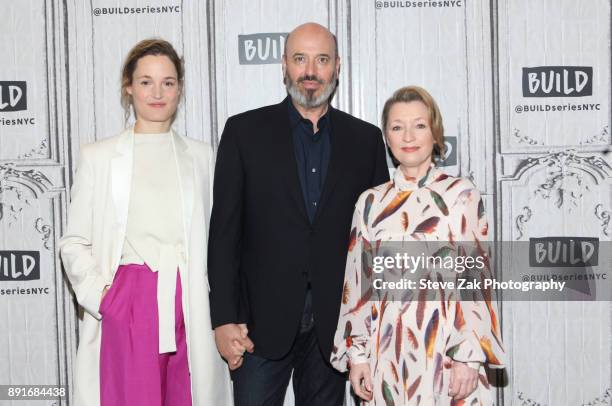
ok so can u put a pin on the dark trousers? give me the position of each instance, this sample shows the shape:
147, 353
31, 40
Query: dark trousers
263, 382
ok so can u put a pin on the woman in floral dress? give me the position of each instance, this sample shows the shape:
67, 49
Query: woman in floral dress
416, 351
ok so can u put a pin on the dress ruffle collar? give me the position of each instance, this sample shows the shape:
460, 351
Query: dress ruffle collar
402, 182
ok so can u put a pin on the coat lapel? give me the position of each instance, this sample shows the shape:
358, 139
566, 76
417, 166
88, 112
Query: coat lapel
186, 178
121, 180
335, 158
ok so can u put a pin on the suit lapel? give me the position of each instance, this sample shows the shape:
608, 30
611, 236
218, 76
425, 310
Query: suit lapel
335, 159
121, 175
286, 155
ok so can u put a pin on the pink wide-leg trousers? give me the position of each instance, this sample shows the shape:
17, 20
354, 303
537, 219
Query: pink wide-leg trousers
132, 371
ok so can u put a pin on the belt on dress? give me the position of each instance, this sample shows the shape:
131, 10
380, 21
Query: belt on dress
171, 259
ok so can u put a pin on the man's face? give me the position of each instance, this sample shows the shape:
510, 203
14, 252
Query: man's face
310, 67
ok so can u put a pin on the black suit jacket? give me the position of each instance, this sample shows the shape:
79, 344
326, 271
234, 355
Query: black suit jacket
262, 246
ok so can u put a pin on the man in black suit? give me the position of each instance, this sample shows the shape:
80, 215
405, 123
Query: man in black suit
286, 181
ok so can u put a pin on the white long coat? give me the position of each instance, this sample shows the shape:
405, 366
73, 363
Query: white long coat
91, 249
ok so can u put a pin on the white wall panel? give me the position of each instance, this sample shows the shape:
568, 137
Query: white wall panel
554, 346
37, 327
27, 51
560, 34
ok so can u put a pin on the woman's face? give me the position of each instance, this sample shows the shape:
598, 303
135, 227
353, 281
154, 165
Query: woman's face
155, 91
409, 136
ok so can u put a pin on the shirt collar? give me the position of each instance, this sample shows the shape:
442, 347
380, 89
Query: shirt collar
296, 118
402, 182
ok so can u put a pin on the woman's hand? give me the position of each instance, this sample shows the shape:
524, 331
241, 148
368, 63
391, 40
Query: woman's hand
104, 292
361, 380
463, 379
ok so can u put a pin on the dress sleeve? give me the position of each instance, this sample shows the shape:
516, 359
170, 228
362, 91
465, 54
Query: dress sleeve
352, 337
476, 328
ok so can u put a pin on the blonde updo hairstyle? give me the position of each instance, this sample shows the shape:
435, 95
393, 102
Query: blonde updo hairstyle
152, 46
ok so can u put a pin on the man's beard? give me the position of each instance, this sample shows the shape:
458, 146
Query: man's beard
307, 98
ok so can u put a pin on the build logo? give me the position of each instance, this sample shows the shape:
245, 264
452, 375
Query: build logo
558, 81
261, 49
19, 265
13, 96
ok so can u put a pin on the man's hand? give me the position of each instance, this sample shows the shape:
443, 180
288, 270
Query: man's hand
361, 380
463, 379
232, 341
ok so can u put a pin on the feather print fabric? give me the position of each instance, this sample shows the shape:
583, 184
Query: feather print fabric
406, 341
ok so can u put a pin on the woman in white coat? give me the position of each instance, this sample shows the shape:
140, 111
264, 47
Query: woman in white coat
135, 252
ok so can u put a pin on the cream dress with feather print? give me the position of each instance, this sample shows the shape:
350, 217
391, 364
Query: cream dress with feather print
408, 342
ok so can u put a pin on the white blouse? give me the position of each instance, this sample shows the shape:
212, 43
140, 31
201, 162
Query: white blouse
155, 229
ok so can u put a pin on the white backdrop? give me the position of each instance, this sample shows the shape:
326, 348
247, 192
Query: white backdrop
524, 87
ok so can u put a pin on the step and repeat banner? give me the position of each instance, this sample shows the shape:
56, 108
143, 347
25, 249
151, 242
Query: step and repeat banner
524, 87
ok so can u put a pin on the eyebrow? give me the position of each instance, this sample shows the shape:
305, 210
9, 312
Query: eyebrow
416, 118
302, 54
149, 77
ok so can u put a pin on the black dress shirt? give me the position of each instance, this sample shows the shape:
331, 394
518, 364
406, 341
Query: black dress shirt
312, 152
